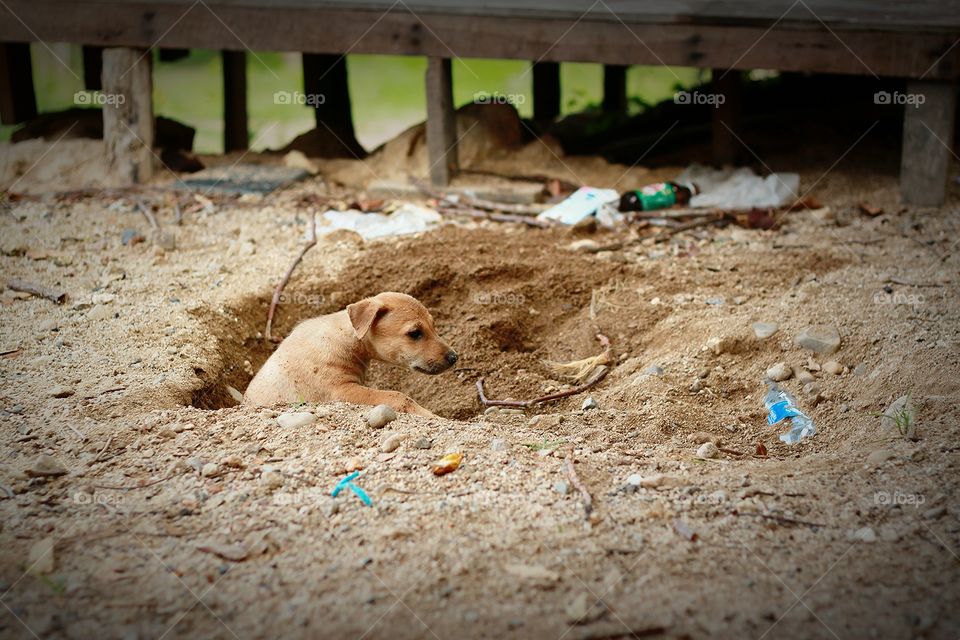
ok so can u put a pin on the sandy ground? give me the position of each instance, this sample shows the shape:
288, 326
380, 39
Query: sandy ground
179, 515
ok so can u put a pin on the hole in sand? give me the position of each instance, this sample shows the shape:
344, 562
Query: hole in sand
506, 302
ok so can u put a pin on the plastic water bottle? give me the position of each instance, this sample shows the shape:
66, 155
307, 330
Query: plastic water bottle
781, 405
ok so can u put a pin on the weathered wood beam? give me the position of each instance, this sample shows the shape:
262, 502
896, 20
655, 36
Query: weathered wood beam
726, 116
326, 75
928, 126
128, 114
441, 122
236, 135
17, 99
546, 91
92, 67
615, 88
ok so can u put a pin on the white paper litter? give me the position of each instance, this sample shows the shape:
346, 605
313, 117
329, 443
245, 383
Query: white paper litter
739, 188
583, 203
409, 218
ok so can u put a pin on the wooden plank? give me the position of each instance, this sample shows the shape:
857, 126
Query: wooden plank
325, 75
290, 26
615, 88
236, 135
128, 114
546, 91
17, 99
928, 127
727, 87
441, 122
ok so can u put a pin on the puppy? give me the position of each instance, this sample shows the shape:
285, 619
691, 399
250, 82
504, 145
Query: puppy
325, 359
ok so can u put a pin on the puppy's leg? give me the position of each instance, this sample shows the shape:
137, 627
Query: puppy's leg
360, 394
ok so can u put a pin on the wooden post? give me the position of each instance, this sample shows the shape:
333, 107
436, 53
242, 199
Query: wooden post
128, 114
236, 137
325, 76
727, 88
615, 88
92, 67
928, 123
17, 99
546, 91
441, 122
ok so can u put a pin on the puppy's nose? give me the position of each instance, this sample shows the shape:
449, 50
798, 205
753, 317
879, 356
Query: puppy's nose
451, 358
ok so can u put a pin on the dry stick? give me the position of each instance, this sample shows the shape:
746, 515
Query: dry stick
148, 214
574, 479
601, 373
702, 222
783, 519
286, 278
479, 203
496, 217
97, 458
56, 295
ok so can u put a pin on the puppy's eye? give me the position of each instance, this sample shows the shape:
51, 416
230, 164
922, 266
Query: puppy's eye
416, 334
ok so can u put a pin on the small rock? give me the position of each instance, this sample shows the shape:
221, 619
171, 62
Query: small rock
708, 450
586, 245
832, 366
102, 298
165, 240
716, 301
764, 330
864, 534
779, 372
561, 487
423, 443
296, 419
588, 403
696, 385
353, 464
811, 390
499, 444
271, 479
820, 338
61, 391
584, 609
131, 237
100, 312
880, 456
634, 480
209, 470
45, 466
41, 559
804, 376
653, 370
534, 573
380, 416
391, 442
330, 508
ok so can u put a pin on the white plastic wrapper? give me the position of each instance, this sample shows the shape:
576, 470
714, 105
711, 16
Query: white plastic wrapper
739, 188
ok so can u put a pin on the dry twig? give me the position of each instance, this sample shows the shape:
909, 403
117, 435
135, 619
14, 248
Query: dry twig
577, 483
55, 295
599, 375
311, 241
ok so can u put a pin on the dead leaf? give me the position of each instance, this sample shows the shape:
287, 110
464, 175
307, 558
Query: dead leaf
232, 552
761, 450
446, 464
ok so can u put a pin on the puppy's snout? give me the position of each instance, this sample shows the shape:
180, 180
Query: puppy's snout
452, 357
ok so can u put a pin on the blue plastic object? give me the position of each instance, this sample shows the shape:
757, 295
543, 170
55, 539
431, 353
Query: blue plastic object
347, 482
782, 406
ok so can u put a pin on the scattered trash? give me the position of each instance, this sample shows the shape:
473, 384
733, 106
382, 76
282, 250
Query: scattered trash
409, 218
739, 188
446, 464
781, 405
583, 203
348, 483
660, 195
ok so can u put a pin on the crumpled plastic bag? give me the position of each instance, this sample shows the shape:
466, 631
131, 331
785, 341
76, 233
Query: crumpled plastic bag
409, 218
739, 188
583, 203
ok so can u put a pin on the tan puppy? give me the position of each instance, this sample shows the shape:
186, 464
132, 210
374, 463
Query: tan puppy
325, 359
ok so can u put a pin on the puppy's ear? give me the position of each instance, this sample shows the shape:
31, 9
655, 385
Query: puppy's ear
363, 314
